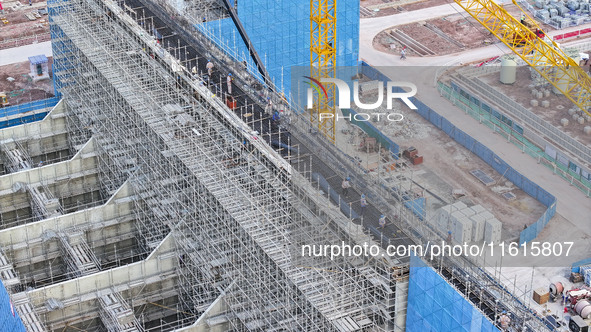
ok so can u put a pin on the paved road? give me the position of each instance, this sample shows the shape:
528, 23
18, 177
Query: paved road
371, 27
22, 53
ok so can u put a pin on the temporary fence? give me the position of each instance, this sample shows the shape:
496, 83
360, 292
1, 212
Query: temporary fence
488, 156
11, 111
570, 170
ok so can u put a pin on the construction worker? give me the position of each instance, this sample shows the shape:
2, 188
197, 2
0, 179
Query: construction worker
363, 203
522, 20
194, 71
209, 67
269, 106
504, 320
229, 81
382, 221
346, 185
276, 116
403, 53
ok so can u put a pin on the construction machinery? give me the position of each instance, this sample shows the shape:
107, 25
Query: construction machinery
3, 100
520, 40
526, 39
323, 24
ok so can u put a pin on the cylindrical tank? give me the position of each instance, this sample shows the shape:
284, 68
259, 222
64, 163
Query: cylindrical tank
586, 312
587, 130
564, 122
580, 305
508, 69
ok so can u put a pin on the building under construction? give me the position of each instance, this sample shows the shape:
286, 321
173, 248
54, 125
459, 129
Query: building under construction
149, 200
142, 203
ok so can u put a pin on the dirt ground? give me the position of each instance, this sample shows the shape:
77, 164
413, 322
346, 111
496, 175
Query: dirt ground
23, 89
452, 163
446, 167
401, 7
466, 32
20, 30
520, 92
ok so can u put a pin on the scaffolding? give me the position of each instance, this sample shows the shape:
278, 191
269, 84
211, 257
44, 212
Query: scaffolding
236, 210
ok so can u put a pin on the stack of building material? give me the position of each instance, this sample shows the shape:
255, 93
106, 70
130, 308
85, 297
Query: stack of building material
462, 229
492, 231
442, 219
586, 274
541, 295
478, 222
468, 224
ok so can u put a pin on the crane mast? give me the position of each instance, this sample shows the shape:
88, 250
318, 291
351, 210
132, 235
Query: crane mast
323, 63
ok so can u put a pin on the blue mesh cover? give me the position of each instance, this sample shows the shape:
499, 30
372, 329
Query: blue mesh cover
8, 321
435, 306
280, 33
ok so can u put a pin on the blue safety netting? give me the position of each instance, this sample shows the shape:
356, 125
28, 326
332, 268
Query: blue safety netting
9, 318
27, 107
280, 33
435, 306
24, 108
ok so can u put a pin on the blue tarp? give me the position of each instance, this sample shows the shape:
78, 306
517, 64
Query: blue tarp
576, 265
435, 306
487, 156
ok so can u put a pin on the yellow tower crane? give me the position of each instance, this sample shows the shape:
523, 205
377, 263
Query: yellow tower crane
526, 39
323, 22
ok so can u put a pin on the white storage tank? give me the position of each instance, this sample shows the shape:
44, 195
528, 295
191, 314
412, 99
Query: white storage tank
492, 231
442, 220
508, 69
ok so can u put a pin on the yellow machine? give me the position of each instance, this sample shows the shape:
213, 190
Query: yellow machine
3, 100
526, 39
323, 63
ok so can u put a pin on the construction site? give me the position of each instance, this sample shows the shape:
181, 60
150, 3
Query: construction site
161, 172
